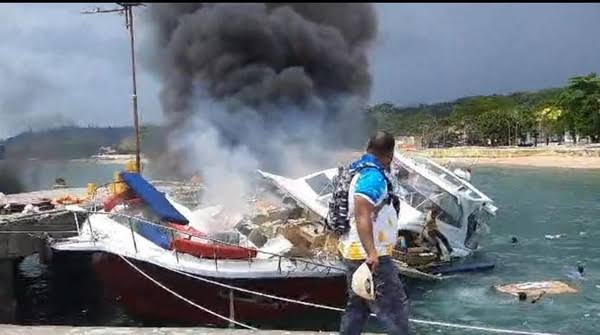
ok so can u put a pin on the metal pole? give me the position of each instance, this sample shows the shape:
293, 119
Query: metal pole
129, 15
231, 310
91, 231
77, 224
132, 235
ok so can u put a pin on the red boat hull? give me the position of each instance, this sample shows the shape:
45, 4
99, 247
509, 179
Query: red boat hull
145, 299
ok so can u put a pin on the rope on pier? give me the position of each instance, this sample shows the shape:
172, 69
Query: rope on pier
185, 299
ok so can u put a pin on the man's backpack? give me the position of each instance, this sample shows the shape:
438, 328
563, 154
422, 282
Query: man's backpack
337, 217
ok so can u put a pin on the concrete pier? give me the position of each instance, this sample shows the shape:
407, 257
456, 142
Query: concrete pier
13, 247
24, 234
56, 330
8, 302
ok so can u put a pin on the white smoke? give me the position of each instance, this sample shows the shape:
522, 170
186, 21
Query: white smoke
229, 170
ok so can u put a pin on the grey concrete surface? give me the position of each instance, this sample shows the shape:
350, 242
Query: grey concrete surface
56, 330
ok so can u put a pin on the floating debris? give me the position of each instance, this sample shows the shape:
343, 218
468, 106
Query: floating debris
535, 288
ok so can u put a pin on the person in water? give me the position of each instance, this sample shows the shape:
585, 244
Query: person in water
371, 239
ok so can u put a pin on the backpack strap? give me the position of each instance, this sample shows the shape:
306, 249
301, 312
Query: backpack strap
390, 198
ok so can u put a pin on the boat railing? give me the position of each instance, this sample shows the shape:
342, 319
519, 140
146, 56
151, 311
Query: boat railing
324, 266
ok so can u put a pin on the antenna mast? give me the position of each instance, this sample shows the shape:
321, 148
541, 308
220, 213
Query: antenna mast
126, 8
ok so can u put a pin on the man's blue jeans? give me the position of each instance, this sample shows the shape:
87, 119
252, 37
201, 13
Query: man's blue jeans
390, 304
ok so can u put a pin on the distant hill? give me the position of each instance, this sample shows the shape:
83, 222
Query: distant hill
79, 142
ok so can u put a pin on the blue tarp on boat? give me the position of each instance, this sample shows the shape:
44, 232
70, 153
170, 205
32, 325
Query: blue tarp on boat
158, 235
153, 198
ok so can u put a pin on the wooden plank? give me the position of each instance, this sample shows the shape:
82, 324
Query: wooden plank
414, 273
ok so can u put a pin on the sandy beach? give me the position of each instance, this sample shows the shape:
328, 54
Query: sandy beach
580, 157
110, 159
571, 162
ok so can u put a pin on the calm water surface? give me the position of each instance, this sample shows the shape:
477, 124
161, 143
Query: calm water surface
532, 202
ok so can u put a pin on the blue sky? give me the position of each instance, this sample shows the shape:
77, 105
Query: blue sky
58, 66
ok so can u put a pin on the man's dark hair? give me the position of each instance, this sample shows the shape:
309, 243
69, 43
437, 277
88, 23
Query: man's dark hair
381, 143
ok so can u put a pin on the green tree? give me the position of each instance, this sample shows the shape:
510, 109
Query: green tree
468, 116
549, 120
581, 101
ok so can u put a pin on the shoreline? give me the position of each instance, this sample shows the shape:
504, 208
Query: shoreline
556, 161
582, 158
570, 157
542, 157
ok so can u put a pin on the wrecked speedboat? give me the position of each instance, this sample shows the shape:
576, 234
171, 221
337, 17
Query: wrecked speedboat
462, 211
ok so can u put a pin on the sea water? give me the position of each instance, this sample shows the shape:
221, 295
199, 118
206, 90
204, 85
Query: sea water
533, 202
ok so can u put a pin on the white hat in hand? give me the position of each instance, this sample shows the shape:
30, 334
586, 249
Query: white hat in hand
362, 282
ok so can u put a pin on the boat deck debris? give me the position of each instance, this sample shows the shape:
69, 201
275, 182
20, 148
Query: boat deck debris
38, 201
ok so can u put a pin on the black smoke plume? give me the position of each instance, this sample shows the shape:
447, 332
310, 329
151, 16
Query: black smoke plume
274, 85
263, 55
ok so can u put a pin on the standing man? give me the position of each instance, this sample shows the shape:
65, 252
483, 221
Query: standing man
371, 239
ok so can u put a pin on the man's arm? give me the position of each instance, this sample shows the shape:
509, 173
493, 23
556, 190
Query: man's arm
363, 210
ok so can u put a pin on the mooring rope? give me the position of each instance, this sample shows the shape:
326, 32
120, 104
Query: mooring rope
417, 321
185, 299
336, 309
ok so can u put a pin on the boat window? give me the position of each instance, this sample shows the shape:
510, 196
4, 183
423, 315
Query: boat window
437, 171
447, 218
425, 193
324, 200
131, 212
320, 184
120, 219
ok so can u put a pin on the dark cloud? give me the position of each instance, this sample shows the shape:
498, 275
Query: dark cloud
437, 52
58, 66
425, 53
